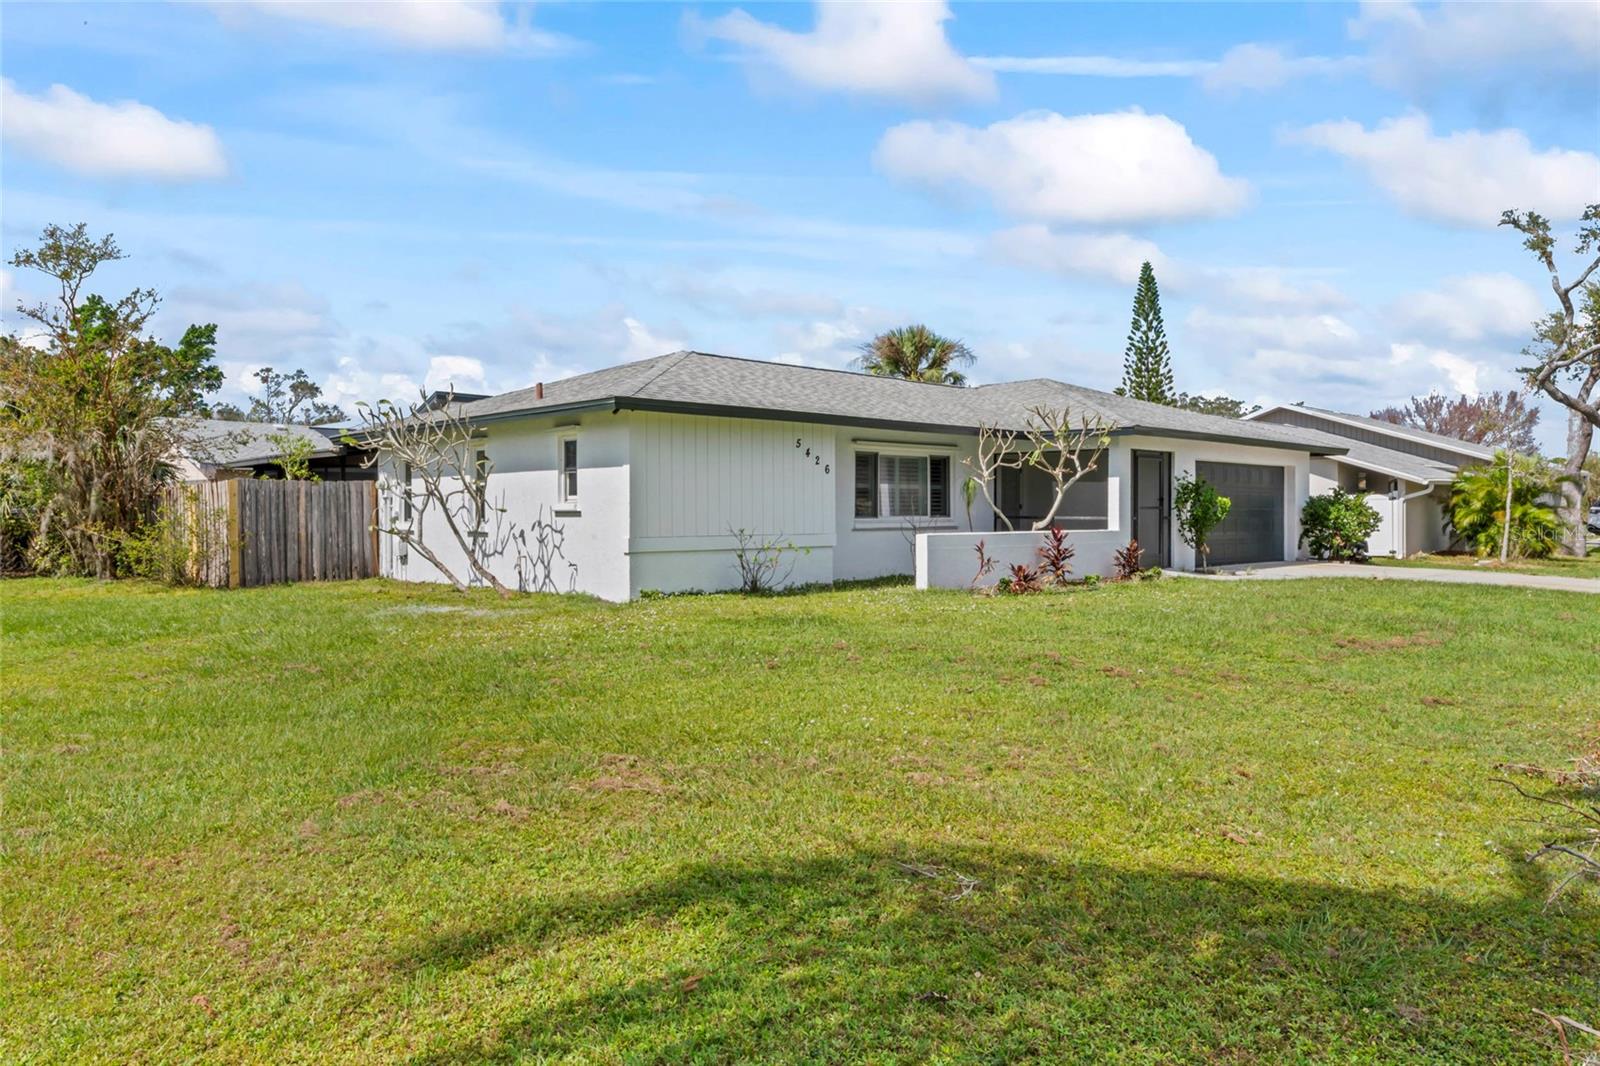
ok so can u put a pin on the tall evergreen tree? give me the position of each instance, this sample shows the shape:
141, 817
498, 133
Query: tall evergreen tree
1146, 364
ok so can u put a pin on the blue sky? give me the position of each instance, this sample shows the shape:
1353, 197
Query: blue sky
405, 195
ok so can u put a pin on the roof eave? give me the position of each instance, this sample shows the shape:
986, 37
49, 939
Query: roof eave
635, 403
1230, 438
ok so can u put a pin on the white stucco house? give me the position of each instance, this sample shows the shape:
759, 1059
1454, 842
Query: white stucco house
1404, 473
631, 478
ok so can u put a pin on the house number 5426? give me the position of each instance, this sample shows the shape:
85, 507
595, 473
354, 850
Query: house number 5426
816, 460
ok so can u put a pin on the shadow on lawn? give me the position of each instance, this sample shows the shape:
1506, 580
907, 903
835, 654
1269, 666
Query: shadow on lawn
853, 956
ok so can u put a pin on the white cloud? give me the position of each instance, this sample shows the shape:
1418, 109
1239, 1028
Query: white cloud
1117, 258
833, 341
1462, 372
1110, 168
460, 373
893, 50
719, 297
432, 25
1271, 287
1109, 256
1096, 66
1470, 308
1262, 66
1323, 333
1246, 66
280, 325
123, 139
1532, 42
1467, 177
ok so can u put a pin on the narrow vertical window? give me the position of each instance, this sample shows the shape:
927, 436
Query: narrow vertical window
939, 486
569, 469
866, 485
480, 486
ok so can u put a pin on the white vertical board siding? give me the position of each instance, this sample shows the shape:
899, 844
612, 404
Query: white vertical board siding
696, 477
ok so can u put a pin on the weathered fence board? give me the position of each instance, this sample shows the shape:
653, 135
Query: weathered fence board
249, 532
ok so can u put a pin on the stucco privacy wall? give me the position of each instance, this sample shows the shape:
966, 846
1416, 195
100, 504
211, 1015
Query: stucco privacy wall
524, 496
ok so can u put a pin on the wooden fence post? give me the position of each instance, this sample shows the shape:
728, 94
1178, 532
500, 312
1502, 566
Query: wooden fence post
235, 537
372, 524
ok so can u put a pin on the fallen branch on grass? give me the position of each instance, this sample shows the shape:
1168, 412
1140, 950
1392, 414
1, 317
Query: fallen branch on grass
965, 886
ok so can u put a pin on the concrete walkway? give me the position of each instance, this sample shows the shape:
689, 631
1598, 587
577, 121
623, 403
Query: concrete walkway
1442, 575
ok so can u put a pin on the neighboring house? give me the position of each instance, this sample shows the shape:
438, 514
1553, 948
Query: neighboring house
639, 473
1404, 473
217, 449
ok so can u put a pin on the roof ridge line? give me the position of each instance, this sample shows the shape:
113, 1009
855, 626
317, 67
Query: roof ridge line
669, 361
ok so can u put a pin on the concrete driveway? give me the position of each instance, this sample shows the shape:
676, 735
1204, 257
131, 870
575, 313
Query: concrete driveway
1441, 575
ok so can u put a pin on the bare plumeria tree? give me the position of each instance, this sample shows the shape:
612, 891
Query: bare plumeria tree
432, 463
1051, 441
1566, 351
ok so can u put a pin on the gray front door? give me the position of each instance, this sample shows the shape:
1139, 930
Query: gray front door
1253, 530
1152, 506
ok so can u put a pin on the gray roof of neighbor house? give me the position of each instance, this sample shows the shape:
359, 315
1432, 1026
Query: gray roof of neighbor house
1397, 464
236, 444
695, 382
1378, 425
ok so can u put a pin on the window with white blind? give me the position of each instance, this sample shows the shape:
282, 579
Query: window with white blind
567, 455
902, 485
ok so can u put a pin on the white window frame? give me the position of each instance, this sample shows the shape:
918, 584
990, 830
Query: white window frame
568, 502
908, 450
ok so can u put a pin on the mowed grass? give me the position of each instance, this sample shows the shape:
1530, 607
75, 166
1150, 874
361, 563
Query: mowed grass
1557, 566
1173, 821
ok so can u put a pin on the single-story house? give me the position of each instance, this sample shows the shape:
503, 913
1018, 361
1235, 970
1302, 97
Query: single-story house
216, 449
1404, 473
635, 477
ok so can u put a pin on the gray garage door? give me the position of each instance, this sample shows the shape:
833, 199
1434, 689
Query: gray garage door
1253, 530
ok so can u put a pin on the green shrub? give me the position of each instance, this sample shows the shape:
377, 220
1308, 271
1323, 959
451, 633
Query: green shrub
1200, 510
1477, 510
1336, 525
172, 547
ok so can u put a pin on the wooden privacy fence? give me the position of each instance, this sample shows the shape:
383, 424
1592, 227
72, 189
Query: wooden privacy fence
248, 532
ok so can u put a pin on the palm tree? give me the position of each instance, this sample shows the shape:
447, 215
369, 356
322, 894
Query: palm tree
915, 353
1477, 511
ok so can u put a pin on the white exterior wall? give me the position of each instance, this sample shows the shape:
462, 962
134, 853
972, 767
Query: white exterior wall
1324, 476
697, 478
879, 547
1186, 453
1425, 523
524, 485
659, 494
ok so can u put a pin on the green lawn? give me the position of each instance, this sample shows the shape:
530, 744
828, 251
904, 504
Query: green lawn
1248, 822
1559, 565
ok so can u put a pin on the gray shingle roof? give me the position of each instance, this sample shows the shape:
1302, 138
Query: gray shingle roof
1379, 425
696, 381
1401, 464
234, 444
